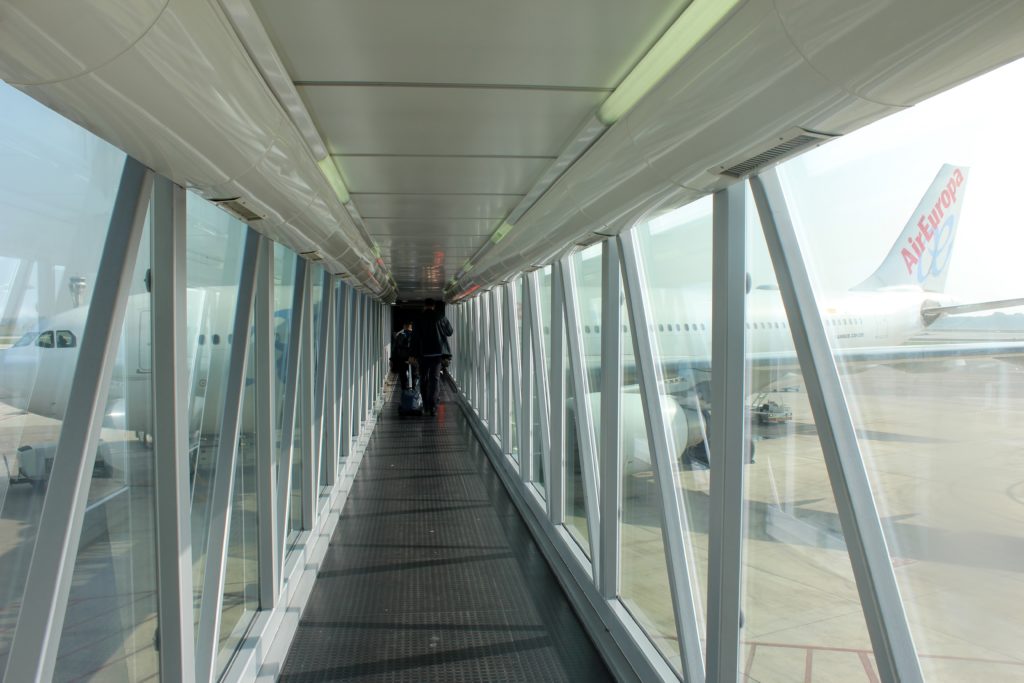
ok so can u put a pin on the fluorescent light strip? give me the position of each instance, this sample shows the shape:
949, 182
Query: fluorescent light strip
692, 26
330, 171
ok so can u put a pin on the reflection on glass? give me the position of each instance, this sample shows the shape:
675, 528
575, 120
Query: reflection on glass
931, 222
57, 187
110, 625
801, 608
284, 287
241, 591
575, 491
674, 250
214, 242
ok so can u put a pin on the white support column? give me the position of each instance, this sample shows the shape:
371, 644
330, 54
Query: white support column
507, 400
330, 408
610, 451
486, 381
265, 422
525, 425
556, 384
33, 652
540, 375
515, 367
224, 471
305, 401
497, 362
346, 392
584, 412
290, 400
170, 432
886, 621
665, 461
729, 441
320, 423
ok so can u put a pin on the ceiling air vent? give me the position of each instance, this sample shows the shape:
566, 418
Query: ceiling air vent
780, 147
312, 256
238, 209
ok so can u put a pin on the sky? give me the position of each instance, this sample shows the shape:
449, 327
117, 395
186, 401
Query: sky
851, 197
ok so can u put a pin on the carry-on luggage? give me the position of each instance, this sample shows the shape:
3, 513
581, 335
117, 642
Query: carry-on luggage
411, 402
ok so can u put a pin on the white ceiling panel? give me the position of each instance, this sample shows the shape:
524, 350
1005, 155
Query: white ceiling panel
441, 174
473, 121
589, 43
479, 229
454, 206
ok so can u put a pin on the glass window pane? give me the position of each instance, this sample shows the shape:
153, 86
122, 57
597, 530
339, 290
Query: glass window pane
57, 188
802, 610
214, 242
110, 624
241, 587
674, 251
910, 214
575, 491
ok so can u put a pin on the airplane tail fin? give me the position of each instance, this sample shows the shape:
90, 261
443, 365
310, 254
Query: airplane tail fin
922, 253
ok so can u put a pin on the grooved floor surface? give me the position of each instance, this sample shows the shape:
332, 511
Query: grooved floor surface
432, 575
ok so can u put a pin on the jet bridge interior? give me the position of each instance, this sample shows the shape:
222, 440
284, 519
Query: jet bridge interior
735, 374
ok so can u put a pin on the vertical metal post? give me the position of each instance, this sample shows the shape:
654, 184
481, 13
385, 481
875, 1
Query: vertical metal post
497, 361
893, 644
287, 446
526, 454
264, 427
33, 652
305, 399
320, 422
170, 432
330, 410
584, 411
540, 376
556, 471
610, 451
512, 339
729, 440
346, 393
483, 334
507, 401
665, 461
224, 472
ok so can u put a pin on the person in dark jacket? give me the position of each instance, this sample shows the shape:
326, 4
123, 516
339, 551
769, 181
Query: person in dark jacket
430, 345
401, 348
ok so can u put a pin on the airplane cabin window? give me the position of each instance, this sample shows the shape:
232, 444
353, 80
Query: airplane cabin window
66, 339
215, 339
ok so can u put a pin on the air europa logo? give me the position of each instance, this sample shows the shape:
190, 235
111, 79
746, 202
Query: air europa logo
930, 248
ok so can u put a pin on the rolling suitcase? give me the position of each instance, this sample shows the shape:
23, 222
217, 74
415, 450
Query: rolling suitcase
411, 402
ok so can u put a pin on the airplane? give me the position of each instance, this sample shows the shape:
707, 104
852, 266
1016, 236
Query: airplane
870, 323
873, 322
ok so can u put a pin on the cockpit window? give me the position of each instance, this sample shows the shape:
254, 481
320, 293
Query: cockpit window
27, 339
66, 339
45, 340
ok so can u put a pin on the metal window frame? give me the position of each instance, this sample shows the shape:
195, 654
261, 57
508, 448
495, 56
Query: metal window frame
269, 574
497, 364
610, 442
320, 382
169, 303
660, 441
299, 295
306, 391
486, 382
525, 426
507, 398
895, 654
556, 410
346, 390
540, 376
33, 653
515, 393
586, 436
222, 487
729, 437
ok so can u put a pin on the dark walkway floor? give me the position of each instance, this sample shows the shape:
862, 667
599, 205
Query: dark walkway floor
432, 575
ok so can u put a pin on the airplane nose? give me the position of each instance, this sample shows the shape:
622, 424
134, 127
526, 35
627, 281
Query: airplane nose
15, 380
